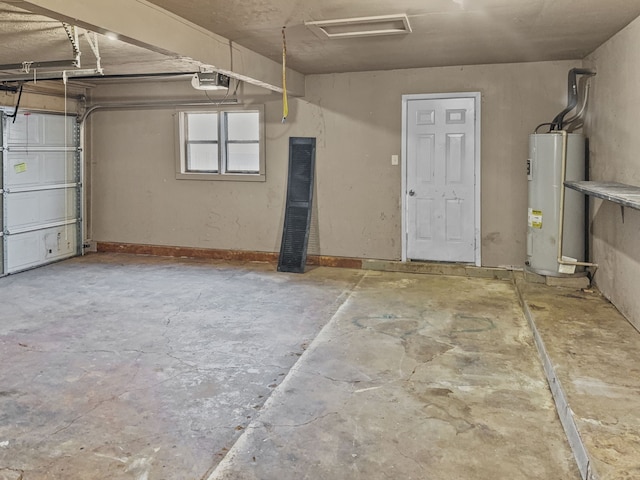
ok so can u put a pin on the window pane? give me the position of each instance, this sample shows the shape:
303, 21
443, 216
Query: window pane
202, 126
202, 157
243, 125
243, 157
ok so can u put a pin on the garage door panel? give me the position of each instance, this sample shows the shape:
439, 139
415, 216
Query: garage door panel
40, 130
32, 249
2, 264
40, 168
30, 209
40, 179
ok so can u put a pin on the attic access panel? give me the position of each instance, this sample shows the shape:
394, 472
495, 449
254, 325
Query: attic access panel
397, 24
297, 220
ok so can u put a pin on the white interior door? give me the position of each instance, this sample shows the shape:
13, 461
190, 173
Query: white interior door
441, 178
41, 190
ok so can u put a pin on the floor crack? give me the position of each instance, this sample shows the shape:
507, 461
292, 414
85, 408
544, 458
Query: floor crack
95, 407
296, 425
410, 458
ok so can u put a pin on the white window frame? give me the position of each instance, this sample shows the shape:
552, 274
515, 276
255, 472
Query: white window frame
181, 145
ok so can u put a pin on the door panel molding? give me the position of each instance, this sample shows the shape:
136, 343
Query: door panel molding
453, 116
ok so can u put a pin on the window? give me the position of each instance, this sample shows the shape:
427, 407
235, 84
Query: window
223, 144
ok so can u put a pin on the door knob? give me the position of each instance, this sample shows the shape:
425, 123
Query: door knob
411, 193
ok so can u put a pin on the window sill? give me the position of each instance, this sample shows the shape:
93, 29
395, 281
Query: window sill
240, 177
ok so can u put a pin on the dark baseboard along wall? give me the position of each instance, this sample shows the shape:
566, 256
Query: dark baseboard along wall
215, 254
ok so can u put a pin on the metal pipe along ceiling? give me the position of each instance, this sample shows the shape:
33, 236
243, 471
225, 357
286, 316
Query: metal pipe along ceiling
151, 105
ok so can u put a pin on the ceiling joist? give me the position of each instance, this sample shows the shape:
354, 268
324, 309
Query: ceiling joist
163, 32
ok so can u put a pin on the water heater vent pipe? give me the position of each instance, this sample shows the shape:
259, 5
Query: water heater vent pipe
576, 121
572, 95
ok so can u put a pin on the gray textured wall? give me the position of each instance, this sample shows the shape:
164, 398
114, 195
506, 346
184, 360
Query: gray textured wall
356, 118
613, 128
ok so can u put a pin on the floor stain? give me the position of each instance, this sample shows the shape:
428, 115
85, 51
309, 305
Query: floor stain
471, 324
11, 474
535, 307
420, 347
424, 349
389, 324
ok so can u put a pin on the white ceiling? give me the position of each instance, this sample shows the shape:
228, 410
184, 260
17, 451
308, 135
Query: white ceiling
445, 32
25, 36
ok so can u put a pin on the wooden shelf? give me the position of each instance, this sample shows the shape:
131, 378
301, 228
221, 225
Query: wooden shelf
625, 195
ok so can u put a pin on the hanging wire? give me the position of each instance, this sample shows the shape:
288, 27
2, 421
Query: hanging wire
26, 114
66, 162
285, 103
14, 115
215, 102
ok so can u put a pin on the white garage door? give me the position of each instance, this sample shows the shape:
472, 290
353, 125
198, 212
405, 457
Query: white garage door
40, 190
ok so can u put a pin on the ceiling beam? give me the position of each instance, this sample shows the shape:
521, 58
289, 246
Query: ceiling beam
146, 25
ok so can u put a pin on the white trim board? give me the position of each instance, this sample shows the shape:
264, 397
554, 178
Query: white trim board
477, 96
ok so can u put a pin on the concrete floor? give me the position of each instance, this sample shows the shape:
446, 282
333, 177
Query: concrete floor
123, 367
592, 357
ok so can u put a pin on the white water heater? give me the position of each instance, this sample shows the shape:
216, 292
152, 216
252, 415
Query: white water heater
544, 172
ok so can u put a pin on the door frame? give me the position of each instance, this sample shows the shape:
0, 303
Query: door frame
477, 97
